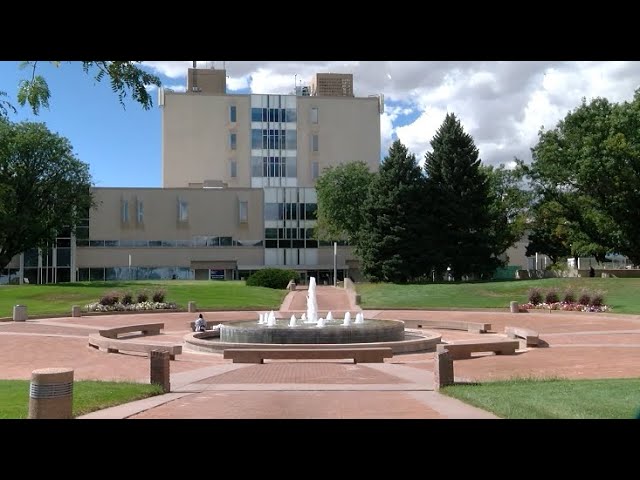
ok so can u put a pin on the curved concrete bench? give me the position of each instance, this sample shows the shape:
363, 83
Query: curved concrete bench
114, 345
461, 350
471, 327
144, 328
359, 355
531, 337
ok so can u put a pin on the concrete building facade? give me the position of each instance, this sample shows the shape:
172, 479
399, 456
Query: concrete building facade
237, 195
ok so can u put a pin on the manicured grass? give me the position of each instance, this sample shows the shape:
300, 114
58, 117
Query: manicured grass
620, 293
553, 398
57, 299
88, 396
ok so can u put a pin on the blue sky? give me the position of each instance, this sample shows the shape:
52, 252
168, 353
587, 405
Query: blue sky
501, 104
122, 146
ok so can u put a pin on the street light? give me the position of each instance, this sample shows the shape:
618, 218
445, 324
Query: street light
449, 273
335, 264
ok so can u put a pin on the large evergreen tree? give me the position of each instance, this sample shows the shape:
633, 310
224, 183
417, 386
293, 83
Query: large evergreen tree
391, 246
461, 204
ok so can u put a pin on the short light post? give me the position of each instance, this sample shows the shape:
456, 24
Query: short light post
335, 264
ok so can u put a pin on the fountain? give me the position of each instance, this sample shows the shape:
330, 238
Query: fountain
312, 302
313, 331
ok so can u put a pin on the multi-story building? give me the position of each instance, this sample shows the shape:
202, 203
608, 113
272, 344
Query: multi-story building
237, 195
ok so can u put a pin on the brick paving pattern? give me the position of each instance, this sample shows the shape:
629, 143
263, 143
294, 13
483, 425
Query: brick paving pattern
575, 345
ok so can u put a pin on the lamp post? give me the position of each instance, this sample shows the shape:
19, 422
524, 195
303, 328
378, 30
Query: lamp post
449, 273
129, 267
335, 264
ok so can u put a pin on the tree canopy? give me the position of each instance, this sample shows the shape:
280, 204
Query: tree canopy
44, 188
461, 201
126, 78
392, 245
341, 193
589, 164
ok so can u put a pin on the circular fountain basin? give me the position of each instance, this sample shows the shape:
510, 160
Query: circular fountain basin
309, 333
372, 333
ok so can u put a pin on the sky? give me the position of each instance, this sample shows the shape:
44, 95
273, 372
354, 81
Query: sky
502, 105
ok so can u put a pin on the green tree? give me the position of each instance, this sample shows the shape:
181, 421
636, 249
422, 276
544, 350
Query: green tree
510, 200
126, 78
550, 232
341, 192
462, 204
392, 245
44, 188
590, 164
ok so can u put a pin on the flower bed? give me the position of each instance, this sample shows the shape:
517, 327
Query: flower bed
565, 306
120, 307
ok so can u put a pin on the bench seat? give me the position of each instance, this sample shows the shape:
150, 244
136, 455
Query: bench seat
258, 355
465, 349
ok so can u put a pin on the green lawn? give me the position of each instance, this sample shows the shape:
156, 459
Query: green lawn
88, 396
553, 398
620, 293
57, 299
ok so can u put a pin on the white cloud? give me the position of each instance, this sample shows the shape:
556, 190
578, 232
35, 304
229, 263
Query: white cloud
176, 88
150, 88
417, 135
237, 83
386, 131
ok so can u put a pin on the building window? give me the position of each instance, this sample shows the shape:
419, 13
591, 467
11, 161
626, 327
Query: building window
315, 170
183, 211
232, 114
290, 140
124, 211
140, 211
314, 142
244, 212
256, 138
233, 141
314, 114
233, 168
256, 166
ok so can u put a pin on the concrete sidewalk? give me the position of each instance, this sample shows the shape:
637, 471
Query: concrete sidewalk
296, 390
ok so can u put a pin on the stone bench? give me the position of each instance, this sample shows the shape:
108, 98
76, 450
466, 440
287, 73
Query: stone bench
461, 350
145, 329
258, 355
114, 345
471, 327
530, 337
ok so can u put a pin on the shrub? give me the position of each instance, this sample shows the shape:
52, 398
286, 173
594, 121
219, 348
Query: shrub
535, 296
597, 298
110, 298
158, 296
273, 278
551, 296
569, 296
143, 296
127, 298
584, 298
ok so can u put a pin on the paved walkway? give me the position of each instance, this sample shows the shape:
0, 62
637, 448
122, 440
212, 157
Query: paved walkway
579, 345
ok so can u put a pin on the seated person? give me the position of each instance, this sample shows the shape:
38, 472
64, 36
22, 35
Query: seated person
201, 324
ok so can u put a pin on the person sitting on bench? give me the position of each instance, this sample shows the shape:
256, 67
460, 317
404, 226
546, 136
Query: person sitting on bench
201, 324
